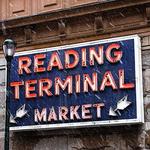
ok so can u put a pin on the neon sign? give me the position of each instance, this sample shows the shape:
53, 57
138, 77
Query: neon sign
86, 84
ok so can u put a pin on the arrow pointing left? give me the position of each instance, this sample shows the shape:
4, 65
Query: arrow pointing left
21, 112
12, 119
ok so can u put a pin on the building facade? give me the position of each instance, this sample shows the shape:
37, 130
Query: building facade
36, 24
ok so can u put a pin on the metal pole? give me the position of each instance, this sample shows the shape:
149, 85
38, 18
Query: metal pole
7, 115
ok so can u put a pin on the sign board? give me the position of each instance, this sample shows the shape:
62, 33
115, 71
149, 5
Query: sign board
80, 85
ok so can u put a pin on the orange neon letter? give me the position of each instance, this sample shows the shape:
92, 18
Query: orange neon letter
92, 83
16, 85
30, 89
63, 84
121, 81
116, 54
108, 80
54, 62
83, 57
68, 54
98, 57
45, 88
38, 63
23, 64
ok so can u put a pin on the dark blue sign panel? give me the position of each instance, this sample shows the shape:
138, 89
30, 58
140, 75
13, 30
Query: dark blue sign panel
87, 84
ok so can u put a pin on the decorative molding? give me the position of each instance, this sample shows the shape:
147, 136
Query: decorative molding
62, 28
28, 34
98, 24
148, 14
26, 18
73, 26
4, 31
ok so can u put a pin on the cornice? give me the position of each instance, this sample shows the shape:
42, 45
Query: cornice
97, 7
70, 25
